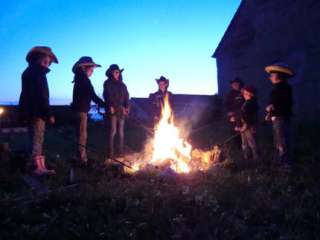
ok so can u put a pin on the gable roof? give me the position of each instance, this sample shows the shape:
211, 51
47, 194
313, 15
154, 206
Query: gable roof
229, 28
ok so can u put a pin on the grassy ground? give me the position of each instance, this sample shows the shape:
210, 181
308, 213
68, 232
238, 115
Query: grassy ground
230, 202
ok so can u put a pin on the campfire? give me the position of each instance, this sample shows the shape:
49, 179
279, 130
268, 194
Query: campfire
168, 149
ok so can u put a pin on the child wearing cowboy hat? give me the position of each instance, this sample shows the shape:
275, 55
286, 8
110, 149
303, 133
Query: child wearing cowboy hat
83, 94
116, 96
157, 98
34, 105
280, 109
249, 120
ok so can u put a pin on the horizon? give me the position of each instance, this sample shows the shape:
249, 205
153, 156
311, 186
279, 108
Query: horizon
174, 39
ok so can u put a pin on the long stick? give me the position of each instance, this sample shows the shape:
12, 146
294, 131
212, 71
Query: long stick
101, 152
92, 149
229, 139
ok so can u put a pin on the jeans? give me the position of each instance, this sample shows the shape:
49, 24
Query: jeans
36, 131
249, 143
81, 131
282, 138
117, 126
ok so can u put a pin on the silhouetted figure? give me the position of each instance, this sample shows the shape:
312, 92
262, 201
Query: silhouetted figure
34, 105
234, 102
83, 94
280, 110
157, 99
248, 123
116, 96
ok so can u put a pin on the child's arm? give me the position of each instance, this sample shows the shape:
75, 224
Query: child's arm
95, 97
126, 98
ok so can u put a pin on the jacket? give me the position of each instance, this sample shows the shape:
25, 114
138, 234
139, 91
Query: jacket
281, 99
116, 95
249, 112
34, 97
83, 93
157, 101
234, 101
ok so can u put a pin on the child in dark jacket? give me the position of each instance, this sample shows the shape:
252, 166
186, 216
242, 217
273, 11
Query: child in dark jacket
249, 119
83, 94
34, 105
157, 99
234, 102
280, 110
116, 96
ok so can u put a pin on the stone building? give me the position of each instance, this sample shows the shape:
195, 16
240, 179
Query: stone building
267, 31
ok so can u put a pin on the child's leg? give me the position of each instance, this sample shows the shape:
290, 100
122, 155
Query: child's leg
113, 131
37, 136
252, 142
279, 136
244, 145
121, 134
38, 128
82, 136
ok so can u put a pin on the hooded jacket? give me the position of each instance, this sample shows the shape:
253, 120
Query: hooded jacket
116, 95
34, 97
83, 93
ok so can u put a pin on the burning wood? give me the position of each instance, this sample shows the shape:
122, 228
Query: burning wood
167, 149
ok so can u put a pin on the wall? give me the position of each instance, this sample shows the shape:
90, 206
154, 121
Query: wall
268, 31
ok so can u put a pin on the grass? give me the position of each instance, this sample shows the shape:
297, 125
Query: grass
231, 202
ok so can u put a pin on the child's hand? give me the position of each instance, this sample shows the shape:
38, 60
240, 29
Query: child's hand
232, 119
269, 108
126, 111
52, 120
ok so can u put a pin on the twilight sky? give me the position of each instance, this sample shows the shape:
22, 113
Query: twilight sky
148, 38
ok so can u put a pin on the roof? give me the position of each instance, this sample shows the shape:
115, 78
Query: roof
229, 28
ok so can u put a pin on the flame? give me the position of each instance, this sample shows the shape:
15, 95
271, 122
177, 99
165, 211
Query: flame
168, 146
169, 149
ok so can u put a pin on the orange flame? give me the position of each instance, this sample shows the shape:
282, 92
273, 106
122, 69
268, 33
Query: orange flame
168, 146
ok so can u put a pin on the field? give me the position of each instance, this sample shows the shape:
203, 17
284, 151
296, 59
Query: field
233, 201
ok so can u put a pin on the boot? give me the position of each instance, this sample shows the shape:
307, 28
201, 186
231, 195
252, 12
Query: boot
38, 171
44, 168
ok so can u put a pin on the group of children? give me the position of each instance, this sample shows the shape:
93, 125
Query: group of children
35, 108
243, 110
241, 103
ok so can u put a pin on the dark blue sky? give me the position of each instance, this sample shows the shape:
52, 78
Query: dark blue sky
149, 38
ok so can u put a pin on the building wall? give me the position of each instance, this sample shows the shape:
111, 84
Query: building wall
266, 31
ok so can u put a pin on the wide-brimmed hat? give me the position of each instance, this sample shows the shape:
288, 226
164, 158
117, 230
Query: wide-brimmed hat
237, 80
35, 52
84, 61
162, 79
280, 68
111, 68
250, 89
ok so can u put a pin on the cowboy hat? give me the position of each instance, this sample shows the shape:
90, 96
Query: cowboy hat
86, 62
35, 51
162, 79
280, 68
111, 68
